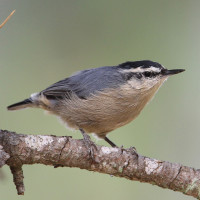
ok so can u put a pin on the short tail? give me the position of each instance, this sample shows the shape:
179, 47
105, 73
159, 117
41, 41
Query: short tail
21, 105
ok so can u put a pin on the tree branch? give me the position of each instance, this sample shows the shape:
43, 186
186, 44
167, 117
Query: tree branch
18, 149
7, 19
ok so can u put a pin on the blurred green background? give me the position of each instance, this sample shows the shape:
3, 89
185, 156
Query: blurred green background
46, 41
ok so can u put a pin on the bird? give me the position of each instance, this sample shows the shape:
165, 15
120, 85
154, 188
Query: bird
100, 100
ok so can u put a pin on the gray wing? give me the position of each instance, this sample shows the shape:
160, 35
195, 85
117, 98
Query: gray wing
85, 83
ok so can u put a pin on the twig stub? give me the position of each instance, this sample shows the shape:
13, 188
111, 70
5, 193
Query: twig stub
7, 19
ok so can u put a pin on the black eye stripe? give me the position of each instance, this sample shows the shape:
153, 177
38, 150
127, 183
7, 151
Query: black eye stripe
129, 75
146, 74
149, 74
138, 75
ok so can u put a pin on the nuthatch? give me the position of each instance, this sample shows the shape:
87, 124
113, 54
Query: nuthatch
102, 99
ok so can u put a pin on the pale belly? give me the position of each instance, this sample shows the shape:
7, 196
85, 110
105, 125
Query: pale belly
104, 112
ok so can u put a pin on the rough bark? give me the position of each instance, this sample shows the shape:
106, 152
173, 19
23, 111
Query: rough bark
17, 150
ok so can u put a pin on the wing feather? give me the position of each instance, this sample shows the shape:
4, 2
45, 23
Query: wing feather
85, 83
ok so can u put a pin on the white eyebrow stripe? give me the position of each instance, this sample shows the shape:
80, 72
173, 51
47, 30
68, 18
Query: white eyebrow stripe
140, 69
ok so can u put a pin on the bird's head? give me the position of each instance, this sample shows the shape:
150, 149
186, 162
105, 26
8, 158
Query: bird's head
145, 74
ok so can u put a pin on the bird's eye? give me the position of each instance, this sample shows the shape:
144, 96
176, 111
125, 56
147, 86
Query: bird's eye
148, 74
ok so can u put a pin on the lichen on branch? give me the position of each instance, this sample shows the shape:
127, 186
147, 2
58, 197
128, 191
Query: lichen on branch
17, 150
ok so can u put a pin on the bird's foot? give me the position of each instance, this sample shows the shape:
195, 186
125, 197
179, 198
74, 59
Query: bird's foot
91, 146
131, 149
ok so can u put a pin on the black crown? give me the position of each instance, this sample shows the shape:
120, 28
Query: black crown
142, 64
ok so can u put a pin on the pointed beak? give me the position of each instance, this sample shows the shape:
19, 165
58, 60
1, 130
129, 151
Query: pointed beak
167, 72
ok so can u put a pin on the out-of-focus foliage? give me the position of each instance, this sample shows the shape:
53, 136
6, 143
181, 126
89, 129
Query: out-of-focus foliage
46, 41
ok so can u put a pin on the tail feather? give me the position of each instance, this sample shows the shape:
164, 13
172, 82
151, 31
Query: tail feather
20, 105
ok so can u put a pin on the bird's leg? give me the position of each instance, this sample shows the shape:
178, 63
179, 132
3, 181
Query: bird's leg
110, 142
89, 144
131, 149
